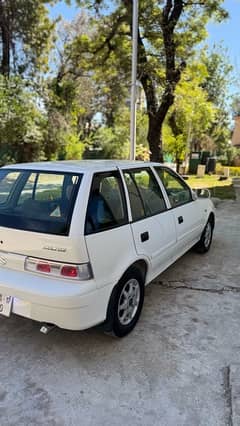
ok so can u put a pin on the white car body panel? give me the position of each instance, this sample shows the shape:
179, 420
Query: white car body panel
111, 253
78, 305
66, 304
35, 244
159, 248
191, 225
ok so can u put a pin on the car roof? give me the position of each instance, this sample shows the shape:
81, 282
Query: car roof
81, 166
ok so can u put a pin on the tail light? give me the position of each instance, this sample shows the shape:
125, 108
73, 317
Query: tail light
81, 272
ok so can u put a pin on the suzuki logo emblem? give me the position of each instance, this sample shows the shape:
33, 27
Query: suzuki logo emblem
3, 261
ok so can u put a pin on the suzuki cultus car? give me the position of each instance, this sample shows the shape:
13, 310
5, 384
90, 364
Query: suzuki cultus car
79, 240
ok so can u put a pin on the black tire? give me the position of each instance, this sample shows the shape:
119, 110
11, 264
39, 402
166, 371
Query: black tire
116, 323
205, 241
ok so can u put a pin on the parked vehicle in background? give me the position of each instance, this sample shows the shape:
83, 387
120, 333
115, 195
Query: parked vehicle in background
79, 240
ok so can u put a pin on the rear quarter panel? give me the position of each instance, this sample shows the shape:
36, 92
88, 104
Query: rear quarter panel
111, 253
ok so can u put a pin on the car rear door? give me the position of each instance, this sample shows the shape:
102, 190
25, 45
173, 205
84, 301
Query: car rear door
152, 224
108, 233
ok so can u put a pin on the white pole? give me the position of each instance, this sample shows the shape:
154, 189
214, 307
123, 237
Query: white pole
134, 80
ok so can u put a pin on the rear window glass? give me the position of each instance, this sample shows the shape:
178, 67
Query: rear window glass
37, 201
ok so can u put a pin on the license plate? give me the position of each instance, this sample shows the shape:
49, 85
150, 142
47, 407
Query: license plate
6, 305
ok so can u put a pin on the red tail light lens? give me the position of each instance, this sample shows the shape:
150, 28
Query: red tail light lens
82, 271
69, 271
44, 267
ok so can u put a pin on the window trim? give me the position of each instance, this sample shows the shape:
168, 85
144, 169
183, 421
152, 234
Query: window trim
115, 173
137, 169
174, 174
139, 194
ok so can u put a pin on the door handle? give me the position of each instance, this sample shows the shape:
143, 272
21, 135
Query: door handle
144, 236
180, 219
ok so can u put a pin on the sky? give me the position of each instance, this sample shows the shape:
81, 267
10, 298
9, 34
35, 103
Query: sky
226, 33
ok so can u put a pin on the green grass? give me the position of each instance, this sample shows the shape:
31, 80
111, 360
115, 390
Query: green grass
222, 189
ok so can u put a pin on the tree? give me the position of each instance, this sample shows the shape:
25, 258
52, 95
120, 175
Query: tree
167, 35
218, 76
69, 98
216, 83
236, 105
192, 114
106, 71
21, 123
25, 36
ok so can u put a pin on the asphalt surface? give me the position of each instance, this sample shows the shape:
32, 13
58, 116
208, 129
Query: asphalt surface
180, 366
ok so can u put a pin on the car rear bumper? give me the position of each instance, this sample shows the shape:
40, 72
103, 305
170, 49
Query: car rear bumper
70, 305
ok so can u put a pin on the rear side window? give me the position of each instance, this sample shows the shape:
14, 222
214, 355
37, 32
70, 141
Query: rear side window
42, 187
6, 185
178, 192
37, 201
145, 195
106, 206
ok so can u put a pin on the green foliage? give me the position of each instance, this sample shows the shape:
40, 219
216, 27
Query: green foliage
114, 142
74, 147
109, 143
175, 146
26, 36
21, 123
236, 105
191, 116
230, 154
216, 84
70, 94
234, 171
169, 32
91, 73
219, 74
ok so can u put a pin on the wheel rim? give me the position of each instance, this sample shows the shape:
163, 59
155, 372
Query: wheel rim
129, 301
208, 234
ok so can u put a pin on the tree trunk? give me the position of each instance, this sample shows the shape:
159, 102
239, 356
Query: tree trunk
157, 111
6, 42
154, 138
178, 163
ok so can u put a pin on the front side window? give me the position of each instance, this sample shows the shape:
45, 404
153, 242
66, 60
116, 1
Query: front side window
106, 206
37, 201
146, 198
177, 191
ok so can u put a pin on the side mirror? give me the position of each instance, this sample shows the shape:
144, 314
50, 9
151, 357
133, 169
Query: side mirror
194, 195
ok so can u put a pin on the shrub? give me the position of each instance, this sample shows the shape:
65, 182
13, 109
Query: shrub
234, 171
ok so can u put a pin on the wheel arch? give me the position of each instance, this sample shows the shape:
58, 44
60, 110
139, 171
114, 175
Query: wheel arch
211, 218
142, 267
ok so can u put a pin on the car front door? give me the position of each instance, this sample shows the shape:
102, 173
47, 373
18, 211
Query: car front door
153, 225
187, 215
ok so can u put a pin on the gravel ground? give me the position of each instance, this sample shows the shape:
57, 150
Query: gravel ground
180, 366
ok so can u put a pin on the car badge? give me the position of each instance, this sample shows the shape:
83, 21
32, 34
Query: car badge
3, 261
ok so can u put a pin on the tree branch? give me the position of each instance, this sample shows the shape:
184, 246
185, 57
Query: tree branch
108, 39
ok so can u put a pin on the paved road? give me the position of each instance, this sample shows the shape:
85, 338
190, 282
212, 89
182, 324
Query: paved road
178, 367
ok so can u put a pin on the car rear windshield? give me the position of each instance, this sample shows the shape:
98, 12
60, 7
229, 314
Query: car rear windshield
37, 201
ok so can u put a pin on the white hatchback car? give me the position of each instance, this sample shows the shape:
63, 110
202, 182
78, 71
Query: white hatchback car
79, 240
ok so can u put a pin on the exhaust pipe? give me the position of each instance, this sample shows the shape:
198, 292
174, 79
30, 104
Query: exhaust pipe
46, 328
